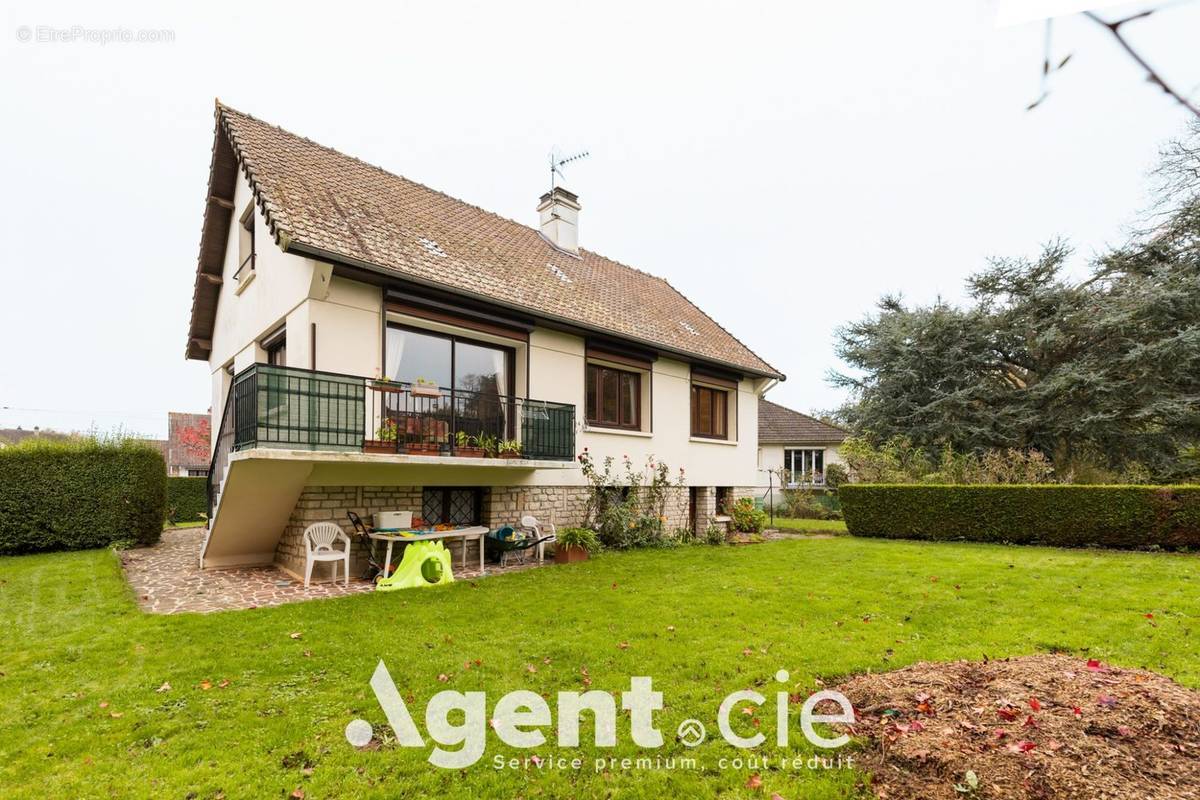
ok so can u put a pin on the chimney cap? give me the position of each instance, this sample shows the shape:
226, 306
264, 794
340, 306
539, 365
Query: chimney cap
562, 195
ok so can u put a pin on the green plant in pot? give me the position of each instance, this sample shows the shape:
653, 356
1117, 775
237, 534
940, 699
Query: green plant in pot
467, 445
509, 448
488, 444
575, 544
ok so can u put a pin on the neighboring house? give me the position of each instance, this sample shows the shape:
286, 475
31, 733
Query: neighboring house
793, 448
188, 448
355, 322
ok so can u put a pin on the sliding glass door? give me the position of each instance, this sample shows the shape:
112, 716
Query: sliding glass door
474, 379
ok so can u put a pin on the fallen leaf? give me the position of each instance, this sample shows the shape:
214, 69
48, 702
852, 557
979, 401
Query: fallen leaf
1029, 722
1077, 711
116, 714
754, 782
1094, 665
1107, 701
224, 683
1007, 713
1124, 730
104, 704
1000, 733
205, 685
536, 759
530, 668
298, 794
295, 634
1035, 704
443, 677
166, 687
623, 645
1023, 746
670, 629
1053, 745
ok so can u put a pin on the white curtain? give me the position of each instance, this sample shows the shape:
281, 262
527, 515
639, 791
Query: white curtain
395, 351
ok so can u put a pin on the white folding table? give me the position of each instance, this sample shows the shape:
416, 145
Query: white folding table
477, 532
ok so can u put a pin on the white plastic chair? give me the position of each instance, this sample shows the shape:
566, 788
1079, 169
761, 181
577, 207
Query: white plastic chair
319, 539
531, 523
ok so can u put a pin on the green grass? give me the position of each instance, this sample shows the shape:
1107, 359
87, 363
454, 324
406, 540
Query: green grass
819, 608
810, 525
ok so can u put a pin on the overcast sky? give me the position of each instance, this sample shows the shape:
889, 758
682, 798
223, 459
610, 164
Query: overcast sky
782, 166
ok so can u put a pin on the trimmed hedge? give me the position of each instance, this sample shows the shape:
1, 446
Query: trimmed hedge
1050, 514
80, 494
187, 499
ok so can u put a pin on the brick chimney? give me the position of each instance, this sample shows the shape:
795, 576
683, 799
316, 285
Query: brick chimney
559, 210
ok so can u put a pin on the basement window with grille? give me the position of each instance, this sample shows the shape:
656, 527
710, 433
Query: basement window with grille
451, 505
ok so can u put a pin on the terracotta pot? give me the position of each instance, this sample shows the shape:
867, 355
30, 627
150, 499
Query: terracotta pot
508, 455
378, 446
569, 555
469, 452
424, 390
423, 449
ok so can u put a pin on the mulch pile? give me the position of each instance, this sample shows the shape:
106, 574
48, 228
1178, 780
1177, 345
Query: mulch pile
1036, 727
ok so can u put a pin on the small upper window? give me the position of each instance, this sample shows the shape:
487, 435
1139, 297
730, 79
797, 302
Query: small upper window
245, 245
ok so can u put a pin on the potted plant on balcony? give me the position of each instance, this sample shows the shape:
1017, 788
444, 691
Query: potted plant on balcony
508, 448
386, 385
425, 388
575, 544
467, 446
488, 444
428, 435
385, 438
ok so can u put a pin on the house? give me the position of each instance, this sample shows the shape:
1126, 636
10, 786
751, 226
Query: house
357, 325
793, 448
188, 444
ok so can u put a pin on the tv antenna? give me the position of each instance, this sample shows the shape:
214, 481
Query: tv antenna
558, 161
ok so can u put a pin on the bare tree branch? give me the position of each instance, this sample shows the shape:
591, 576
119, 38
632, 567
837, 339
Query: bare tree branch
1115, 29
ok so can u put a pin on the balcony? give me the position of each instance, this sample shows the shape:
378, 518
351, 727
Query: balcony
298, 409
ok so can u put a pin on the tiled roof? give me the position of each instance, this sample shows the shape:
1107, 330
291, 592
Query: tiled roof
779, 425
316, 198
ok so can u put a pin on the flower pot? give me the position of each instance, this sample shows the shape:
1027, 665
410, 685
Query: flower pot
424, 390
423, 449
569, 554
378, 446
508, 455
468, 452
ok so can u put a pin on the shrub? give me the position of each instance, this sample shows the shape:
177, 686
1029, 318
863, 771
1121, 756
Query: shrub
746, 517
80, 494
1057, 514
714, 535
629, 510
187, 499
836, 475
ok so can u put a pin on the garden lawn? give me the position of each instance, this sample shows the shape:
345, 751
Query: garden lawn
99, 699
810, 525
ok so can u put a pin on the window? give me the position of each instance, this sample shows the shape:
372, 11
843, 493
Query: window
276, 346
448, 361
451, 506
197, 473
710, 412
613, 397
804, 465
245, 246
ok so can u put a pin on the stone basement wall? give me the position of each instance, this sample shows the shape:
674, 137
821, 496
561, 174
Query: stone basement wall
563, 505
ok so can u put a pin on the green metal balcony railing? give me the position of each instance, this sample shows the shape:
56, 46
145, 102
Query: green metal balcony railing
293, 408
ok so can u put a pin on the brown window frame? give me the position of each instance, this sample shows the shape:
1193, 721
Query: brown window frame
593, 404
712, 392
